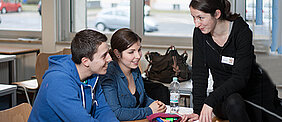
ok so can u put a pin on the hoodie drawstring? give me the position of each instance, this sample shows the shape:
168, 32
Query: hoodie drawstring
82, 93
92, 93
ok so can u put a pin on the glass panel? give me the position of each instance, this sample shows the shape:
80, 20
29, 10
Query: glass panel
261, 33
108, 15
168, 18
16, 15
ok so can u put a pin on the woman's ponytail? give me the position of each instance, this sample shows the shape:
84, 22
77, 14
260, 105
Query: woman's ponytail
227, 13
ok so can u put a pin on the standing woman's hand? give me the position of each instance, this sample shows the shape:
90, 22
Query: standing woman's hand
206, 114
189, 117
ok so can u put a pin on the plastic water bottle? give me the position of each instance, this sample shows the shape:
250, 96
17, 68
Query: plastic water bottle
174, 95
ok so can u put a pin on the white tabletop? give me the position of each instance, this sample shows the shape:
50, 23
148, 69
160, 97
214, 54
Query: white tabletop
182, 111
4, 58
187, 86
4, 86
9, 89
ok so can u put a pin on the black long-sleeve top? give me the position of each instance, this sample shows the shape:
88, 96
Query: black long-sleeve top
241, 77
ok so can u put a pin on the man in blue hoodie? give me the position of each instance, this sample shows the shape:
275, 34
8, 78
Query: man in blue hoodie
70, 91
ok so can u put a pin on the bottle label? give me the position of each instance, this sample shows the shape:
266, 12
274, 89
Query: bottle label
174, 97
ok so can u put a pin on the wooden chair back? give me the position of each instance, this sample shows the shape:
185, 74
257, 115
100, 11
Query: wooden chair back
42, 65
66, 51
19, 113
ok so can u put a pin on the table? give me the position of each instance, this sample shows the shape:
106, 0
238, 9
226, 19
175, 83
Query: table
182, 111
186, 89
9, 89
18, 50
11, 59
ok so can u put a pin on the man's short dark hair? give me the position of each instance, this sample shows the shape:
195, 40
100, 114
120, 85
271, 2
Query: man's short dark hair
85, 44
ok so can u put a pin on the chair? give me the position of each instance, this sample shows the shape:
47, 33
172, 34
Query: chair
66, 51
19, 113
34, 84
279, 88
216, 119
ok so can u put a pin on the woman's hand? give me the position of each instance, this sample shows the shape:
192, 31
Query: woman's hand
206, 114
162, 107
189, 117
154, 107
157, 107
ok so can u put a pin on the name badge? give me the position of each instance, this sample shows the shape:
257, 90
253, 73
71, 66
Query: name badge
227, 60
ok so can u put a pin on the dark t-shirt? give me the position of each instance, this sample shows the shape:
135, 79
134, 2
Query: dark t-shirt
137, 96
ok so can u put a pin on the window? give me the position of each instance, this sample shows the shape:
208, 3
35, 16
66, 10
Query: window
164, 14
261, 33
145, 18
107, 16
158, 22
19, 18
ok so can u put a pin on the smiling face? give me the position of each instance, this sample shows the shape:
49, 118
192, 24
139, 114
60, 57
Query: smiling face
99, 64
130, 57
204, 21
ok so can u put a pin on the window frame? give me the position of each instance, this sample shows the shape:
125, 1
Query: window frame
136, 24
15, 34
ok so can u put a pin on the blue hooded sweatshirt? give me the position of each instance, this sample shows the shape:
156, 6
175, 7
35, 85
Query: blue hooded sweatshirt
63, 97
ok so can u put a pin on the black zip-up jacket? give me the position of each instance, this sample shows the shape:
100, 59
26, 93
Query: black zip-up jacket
243, 77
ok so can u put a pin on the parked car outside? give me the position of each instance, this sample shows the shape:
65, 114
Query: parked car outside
116, 18
126, 4
10, 6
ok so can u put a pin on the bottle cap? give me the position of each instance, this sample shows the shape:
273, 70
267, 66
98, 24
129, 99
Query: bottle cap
174, 79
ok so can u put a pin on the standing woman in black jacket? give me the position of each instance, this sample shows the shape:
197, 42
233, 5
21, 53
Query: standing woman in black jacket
222, 42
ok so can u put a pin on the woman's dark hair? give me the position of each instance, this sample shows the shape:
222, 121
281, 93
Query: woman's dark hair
210, 6
85, 44
121, 40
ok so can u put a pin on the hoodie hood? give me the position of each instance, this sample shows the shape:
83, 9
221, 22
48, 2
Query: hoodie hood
63, 63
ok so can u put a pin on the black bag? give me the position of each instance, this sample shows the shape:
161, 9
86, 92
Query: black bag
164, 67
156, 91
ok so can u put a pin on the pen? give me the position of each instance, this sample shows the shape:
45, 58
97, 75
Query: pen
159, 120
